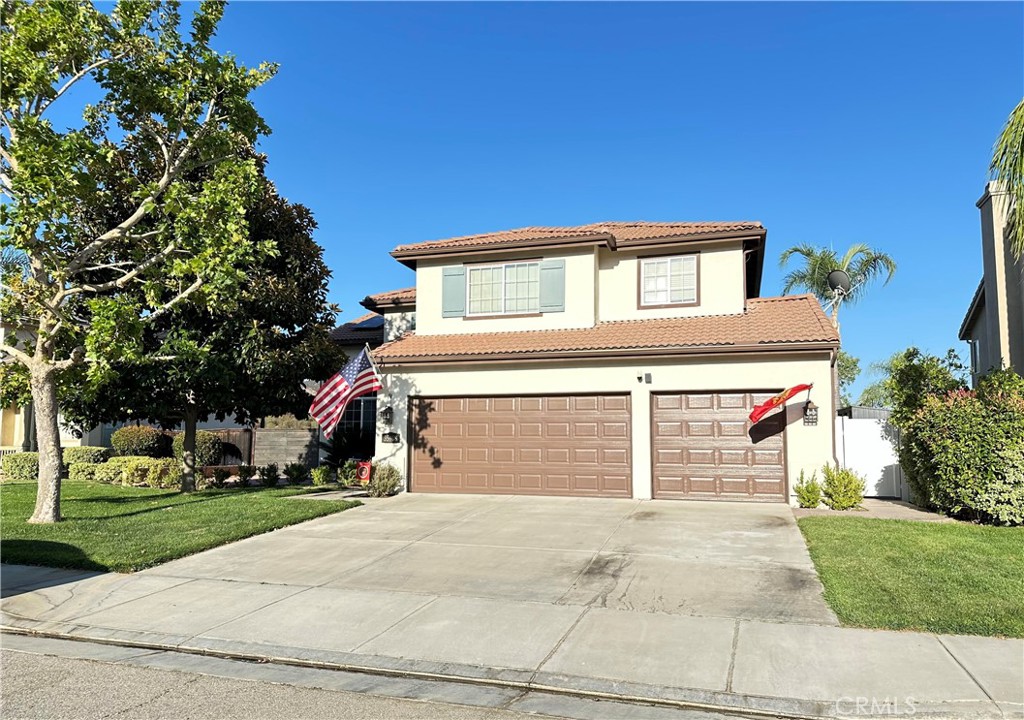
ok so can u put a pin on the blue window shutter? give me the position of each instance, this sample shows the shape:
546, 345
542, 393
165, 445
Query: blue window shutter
552, 286
453, 292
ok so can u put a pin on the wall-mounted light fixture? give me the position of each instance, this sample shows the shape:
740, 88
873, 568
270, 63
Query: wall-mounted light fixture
643, 378
387, 415
810, 413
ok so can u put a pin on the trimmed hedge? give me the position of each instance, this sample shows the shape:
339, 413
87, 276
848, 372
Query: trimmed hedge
84, 454
21, 466
963, 452
155, 472
108, 473
209, 447
82, 471
135, 440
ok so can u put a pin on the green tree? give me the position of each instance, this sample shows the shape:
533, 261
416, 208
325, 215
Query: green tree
862, 263
914, 375
247, 363
848, 369
138, 208
1008, 168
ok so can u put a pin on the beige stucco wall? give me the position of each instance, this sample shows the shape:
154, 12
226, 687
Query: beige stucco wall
1003, 318
807, 448
579, 297
397, 324
720, 278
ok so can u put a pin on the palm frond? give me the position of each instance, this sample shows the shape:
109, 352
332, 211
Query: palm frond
1008, 168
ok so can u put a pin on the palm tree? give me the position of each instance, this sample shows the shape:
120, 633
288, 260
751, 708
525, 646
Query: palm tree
1008, 168
860, 262
13, 260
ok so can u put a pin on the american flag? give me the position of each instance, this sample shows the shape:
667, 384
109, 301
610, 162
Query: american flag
358, 377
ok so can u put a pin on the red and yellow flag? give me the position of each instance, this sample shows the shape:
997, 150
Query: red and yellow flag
768, 405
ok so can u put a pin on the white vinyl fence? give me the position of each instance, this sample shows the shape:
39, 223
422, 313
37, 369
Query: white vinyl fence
864, 443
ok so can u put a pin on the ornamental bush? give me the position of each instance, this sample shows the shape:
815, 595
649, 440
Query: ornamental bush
963, 451
108, 473
269, 475
296, 473
21, 466
384, 480
208, 447
808, 491
84, 454
321, 475
135, 440
82, 471
843, 489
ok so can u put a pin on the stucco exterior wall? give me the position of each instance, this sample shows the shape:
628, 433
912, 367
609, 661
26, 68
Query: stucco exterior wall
807, 447
720, 279
579, 297
397, 324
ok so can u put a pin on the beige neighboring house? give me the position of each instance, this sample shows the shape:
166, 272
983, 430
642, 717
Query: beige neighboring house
617, 359
994, 325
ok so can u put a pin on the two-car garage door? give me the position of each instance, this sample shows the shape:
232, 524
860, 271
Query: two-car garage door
702, 446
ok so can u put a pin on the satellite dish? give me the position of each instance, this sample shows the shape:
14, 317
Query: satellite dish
839, 282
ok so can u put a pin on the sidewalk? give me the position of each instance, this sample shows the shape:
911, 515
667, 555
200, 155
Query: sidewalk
790, 670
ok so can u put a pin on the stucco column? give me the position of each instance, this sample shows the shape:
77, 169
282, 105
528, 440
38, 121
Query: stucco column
640, 401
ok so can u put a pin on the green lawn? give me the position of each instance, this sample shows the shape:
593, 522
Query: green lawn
944, 578
109, 527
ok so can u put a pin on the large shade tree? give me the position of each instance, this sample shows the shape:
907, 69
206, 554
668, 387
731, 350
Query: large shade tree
135, 208
1008, 168
247, 362
860, 262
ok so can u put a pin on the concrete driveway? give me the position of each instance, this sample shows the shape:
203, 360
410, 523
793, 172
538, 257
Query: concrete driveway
683, 558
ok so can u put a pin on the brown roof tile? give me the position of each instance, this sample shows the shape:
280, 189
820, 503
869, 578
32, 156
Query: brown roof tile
389, 299
615, 233
789, 321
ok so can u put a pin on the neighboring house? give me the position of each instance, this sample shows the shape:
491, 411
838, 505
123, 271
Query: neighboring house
607, 360
994, 325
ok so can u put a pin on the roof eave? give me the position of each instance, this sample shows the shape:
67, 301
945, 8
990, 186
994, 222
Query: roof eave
617, 353
410, 255
977, 302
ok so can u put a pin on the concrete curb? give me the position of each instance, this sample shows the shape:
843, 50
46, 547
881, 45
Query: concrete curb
523, 680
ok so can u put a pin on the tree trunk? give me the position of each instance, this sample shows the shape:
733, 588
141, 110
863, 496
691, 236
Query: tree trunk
188, 455
44, 401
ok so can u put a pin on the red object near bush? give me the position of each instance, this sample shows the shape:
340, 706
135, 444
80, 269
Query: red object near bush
363, 472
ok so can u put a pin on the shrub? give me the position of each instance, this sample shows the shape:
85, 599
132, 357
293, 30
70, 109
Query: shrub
321, 475
384, 480
347, 473
165, 473
220, 477
108, 472
963, 452
843, 488
82, 471
21, 466
84, 454
134, 440
296, 473
808, 491
208, 447
269, 475
245, 473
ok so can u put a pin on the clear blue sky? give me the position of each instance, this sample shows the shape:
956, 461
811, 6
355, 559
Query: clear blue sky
829, 123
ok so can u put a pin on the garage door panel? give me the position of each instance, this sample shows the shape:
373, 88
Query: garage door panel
551, 445
716, 456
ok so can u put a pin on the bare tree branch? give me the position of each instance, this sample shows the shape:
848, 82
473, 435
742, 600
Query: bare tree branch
20, 355
128, 276
41, 106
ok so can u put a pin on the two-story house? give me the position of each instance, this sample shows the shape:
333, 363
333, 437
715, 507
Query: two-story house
994, 324
607, 360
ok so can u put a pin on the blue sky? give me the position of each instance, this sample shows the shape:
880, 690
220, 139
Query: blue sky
830, 123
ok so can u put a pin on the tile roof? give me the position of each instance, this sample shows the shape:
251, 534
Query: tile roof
391, 298
790, 321
368, 328
616, 233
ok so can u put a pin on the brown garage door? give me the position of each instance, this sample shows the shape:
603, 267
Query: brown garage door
704, 447
550, 445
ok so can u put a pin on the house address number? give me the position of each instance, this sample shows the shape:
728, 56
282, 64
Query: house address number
390, 437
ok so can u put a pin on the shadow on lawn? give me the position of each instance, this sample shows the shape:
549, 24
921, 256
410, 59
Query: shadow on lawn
19, 572
159, 507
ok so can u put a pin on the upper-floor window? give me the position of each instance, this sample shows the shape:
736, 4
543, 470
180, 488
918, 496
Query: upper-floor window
508, 289
668, 280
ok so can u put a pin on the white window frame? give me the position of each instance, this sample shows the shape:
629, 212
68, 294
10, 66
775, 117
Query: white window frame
503, 285
688, 264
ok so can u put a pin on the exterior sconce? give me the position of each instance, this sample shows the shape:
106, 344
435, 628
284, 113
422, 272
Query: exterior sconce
810, 413
387, 415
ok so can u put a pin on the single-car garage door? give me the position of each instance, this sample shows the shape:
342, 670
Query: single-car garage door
526, 445
704, 447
